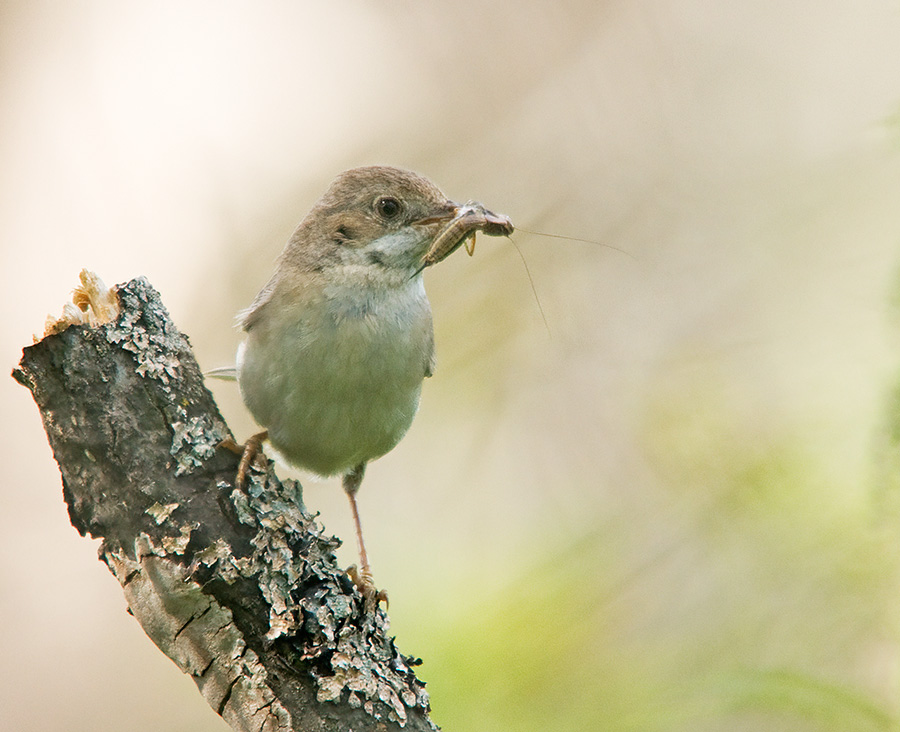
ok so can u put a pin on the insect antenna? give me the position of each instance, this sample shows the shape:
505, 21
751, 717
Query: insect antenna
577, 238
531, 282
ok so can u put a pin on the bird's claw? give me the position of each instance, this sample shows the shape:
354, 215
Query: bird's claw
372, 596
248, 452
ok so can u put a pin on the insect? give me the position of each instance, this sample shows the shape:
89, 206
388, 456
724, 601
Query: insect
468, 221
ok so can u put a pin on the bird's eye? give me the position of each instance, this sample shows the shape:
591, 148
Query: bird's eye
388, 207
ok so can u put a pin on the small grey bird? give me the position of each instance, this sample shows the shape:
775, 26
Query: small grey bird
339, 340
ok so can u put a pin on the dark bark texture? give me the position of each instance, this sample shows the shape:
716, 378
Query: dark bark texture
239, 587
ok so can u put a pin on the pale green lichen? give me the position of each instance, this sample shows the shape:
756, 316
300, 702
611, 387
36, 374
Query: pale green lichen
144, 329
194, 441
160, 512
351, 657
178, 544
199, 635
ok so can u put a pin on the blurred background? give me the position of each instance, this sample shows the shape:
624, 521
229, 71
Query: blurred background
674, 507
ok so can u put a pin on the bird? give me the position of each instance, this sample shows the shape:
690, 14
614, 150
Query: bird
338, 342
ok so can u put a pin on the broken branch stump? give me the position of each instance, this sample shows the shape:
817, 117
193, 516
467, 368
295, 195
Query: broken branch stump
241, 589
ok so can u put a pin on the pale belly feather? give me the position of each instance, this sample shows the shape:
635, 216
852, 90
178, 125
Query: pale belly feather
343, 391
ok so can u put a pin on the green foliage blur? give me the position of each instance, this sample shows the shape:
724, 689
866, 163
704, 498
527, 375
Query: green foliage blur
753, 591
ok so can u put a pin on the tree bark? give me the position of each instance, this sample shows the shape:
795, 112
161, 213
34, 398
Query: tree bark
239, 587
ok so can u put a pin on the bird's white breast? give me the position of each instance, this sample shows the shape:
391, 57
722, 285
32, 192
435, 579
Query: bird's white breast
337, 382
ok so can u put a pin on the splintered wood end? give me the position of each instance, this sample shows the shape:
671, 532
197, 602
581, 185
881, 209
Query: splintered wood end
93, 303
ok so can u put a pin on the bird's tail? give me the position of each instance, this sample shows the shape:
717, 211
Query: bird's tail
226, 373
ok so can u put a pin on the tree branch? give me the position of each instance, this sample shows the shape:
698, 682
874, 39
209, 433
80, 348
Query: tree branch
240, 588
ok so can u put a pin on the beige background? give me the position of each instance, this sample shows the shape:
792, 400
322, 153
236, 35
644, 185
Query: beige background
676, 510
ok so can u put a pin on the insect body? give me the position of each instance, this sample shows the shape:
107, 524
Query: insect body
469, 220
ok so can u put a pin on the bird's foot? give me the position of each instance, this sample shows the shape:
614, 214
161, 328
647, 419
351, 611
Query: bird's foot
362, 578
248, 452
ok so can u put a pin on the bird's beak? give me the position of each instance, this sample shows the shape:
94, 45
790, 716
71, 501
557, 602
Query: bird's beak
443, 214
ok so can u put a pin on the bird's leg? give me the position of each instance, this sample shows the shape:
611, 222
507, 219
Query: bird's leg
352, 481
362, 576
248, 451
